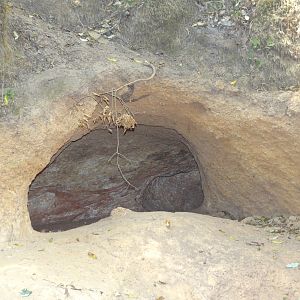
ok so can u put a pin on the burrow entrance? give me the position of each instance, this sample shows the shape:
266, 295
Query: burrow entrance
81, 186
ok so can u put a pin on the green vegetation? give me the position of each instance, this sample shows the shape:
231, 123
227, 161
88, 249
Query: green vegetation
8, 97
276, 24
255, 42
6, 55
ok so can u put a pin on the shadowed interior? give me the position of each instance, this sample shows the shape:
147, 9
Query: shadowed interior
82, 185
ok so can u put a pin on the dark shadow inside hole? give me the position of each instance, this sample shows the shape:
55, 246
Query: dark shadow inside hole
81, 186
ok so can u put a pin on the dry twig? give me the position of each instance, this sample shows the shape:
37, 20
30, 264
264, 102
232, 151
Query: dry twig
117, 153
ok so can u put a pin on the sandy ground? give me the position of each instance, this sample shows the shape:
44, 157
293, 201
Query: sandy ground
153, 256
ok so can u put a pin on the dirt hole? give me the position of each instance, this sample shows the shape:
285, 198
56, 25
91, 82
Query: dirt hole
81, 186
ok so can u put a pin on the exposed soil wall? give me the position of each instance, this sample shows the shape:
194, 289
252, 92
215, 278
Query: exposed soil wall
246, 142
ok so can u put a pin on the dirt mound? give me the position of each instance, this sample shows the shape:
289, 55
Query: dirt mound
155, 256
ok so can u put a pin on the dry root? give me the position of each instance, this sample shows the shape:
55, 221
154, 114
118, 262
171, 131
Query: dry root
116, 114
126, 121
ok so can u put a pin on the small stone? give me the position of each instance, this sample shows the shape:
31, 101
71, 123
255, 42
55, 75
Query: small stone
294, 218
94, 35
110, 36
222, 13
118, 3
275, 230
278, 220
226, 22
16, 36
76, 3
249, 221
120, 211
105, 25
199, 24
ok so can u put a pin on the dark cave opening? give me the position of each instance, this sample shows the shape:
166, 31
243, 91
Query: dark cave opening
81, 186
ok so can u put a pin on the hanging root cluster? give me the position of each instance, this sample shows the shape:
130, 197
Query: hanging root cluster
113, 116
114, 113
